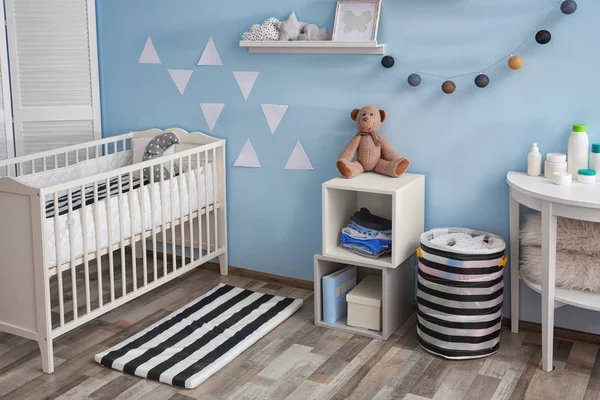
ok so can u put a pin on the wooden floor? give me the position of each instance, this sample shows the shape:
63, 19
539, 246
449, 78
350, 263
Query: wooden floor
297, 361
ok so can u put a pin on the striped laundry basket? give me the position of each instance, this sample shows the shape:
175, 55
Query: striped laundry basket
460, 292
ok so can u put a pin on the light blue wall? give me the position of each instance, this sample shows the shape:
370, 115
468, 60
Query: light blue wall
464, 143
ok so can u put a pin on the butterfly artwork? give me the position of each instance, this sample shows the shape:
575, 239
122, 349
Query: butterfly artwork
356, 20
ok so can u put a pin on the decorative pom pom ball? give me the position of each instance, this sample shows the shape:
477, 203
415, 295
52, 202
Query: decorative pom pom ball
543, 37
448, 87
482, 80
388, 61
568, 7
414, 79
515, 62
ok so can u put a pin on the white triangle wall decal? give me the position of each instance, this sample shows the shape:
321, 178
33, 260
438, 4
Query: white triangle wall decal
274, 114
149, 55
181, 78
298, 159
212, 112
245, 81
210, 55
247, 157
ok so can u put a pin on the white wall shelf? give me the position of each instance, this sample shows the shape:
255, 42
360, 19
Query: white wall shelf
313, 47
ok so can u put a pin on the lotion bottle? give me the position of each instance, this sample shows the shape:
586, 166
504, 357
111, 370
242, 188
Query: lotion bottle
579, 148
534, 161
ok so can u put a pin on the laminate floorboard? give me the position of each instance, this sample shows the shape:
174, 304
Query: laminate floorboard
296, 360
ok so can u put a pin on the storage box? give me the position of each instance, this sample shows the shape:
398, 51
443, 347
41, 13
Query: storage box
364, 304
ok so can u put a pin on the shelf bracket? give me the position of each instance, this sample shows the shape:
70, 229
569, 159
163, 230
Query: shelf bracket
558, 304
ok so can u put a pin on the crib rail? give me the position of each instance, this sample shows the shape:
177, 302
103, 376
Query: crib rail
148, 232
64, 156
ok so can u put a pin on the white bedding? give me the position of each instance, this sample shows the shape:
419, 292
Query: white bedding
463, 241
144, 193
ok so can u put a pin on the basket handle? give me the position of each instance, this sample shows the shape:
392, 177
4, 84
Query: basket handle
503, 261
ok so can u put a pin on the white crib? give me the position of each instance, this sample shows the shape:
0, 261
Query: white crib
81, 229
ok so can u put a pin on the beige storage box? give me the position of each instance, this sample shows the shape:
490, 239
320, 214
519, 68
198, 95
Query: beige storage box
364, 304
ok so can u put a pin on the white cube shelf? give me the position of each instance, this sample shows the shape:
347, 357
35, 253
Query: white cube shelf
398, 294
402, 200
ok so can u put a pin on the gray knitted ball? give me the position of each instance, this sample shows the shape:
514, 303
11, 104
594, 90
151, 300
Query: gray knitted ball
482, 80
414, 80
568, 7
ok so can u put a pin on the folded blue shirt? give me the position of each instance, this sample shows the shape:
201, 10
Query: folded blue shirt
371, 232
376, 245
363, 250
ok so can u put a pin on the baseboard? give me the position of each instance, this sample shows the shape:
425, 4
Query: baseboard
559, 333
264, 276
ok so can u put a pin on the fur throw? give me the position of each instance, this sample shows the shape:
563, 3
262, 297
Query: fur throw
573, 235
577, 253
573, 270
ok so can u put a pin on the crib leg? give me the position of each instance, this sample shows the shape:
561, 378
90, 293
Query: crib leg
224, 264
46, 348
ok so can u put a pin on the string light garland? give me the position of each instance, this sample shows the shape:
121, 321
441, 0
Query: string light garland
515, 62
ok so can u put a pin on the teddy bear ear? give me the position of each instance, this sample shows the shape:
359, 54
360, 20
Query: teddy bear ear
354, 114
383, 115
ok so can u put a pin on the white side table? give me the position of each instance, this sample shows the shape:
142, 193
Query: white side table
577, 201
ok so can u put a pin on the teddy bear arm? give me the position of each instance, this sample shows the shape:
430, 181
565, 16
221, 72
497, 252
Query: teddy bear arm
350, 149
387, 151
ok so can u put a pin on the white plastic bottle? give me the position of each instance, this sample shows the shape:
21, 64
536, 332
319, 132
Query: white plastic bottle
579, 148
534, 161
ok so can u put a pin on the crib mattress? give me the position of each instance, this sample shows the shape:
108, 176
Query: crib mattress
71, 229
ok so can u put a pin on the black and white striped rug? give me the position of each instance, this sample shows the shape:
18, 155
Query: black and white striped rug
190, 345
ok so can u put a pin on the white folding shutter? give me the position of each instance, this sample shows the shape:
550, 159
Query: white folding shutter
6, 130
54, 73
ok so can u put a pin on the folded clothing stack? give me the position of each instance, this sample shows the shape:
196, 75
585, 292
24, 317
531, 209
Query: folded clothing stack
368, 235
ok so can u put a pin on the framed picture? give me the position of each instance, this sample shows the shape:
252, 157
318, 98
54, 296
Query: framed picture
356, 20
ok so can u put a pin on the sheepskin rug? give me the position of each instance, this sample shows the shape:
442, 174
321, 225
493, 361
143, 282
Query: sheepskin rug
577, 253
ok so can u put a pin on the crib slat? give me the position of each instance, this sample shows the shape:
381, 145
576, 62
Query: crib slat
33, 166
190, 221
181, 214
61, 304
45, 164
215, 192
152, 211
172, 194
208, 250
86, 261
132, 232
142, 195
111, 261
122, 235
199, 199
98, 252
72, 246
163, 221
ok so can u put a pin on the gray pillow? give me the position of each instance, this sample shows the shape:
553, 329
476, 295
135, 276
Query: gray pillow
155, 149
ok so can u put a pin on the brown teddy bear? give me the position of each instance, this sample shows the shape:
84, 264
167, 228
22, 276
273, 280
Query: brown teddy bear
374, 152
